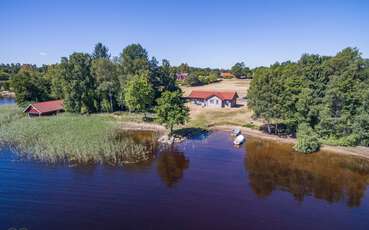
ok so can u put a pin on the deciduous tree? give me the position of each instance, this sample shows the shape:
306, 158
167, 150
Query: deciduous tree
171, 110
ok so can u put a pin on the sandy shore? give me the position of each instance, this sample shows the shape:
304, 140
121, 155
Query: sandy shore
7, 94
358, 151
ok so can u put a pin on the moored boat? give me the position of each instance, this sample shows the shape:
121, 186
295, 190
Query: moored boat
239, 140
235, 132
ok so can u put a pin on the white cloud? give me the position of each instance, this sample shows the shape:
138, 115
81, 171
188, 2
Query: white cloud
43, 53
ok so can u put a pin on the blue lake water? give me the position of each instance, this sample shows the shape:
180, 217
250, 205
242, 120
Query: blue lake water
199, 184
7, 101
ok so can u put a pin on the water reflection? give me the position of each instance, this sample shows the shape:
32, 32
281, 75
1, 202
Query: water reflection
171, 165
140, 146
331, 177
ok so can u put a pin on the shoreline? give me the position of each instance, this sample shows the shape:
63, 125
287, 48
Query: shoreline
357, 151
7, 94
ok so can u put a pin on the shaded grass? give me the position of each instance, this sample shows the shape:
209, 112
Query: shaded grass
73, 139
251, 126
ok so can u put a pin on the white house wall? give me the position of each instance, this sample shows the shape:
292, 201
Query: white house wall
214, 102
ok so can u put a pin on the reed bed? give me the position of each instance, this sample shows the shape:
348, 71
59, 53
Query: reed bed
9, 113
74, 139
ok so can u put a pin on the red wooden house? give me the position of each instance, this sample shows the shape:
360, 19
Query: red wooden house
45, 108
213, 98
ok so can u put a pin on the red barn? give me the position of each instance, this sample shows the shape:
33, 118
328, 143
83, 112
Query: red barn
45, 108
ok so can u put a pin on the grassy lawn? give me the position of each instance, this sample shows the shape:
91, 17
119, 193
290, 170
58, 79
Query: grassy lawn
207, 117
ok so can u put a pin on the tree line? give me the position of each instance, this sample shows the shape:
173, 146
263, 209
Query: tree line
322, 99
95, 82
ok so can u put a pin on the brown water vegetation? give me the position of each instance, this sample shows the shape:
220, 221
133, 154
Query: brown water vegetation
171, 165
275, 166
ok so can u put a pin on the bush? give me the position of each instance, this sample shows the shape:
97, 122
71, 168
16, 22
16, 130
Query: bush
192, 80
250, 125
212, 77
349, 140
307, 139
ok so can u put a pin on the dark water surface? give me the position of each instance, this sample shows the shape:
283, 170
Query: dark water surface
202, 184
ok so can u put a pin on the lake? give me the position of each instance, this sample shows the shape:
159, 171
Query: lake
7, 101
204, 183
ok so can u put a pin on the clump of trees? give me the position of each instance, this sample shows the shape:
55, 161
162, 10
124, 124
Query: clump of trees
95, 82
239, 70
6, 72
195, 80
329, 95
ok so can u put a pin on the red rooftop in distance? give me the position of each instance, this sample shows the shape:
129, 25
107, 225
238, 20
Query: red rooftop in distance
45, 108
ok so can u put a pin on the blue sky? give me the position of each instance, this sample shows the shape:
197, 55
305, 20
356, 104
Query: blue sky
201, 33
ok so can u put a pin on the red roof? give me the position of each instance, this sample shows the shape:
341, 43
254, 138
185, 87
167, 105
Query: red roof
45, 107
224, 95
227, 75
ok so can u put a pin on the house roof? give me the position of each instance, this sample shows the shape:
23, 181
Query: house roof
227, 74
182, 74
223, 95
45, 107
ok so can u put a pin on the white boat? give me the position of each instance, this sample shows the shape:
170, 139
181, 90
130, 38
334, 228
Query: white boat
235, 132
239, 140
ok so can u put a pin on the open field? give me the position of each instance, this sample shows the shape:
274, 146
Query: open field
239, 85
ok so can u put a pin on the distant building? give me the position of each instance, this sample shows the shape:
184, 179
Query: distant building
181, 76
45, 108
217, 99
227, 75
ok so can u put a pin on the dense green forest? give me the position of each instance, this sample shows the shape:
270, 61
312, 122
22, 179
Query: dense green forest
321, 99
133, 60
95, 82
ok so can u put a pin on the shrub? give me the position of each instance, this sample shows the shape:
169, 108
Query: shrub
192, 80
307, 139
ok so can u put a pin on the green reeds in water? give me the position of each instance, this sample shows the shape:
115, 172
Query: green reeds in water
74, 139
9, 113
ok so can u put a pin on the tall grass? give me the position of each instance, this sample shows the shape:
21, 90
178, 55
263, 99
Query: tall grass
74, 139
9, 113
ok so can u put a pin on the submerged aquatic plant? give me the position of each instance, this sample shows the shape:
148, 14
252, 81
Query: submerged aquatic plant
73, 139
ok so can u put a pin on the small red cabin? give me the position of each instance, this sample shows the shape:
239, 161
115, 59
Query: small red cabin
45, 108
